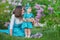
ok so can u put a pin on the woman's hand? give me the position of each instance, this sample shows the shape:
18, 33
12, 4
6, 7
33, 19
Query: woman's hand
29, 20
10, 32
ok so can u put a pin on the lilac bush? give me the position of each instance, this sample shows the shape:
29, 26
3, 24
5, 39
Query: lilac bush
39, 14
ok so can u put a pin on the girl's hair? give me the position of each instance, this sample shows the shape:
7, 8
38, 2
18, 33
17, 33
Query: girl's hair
18, 12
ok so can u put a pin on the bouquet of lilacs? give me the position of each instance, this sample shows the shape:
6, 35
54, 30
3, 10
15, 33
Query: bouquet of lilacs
39, 14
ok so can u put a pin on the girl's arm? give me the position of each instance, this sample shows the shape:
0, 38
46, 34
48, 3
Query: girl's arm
26, 19
32, 20
11, 24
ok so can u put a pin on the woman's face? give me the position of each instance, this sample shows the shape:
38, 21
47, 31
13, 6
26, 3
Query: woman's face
23, 10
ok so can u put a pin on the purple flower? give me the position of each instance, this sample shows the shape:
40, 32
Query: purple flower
37, 35
39, 11
50, 8
38, 14
37, 6
38, 17
6, 24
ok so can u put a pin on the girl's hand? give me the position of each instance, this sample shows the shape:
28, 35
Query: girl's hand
32, 20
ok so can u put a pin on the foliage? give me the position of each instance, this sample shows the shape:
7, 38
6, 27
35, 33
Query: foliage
51, 31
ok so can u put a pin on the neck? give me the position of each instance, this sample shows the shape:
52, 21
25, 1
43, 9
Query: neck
28, 12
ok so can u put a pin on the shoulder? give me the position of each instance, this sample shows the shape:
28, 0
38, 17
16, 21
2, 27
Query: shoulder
13, 15
25, 14
31, 13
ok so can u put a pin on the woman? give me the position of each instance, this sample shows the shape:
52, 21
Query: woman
15, 29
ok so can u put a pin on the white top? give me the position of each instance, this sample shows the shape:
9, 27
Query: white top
16, 20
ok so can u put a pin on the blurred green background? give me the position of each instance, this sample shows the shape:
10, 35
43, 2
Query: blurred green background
51, 31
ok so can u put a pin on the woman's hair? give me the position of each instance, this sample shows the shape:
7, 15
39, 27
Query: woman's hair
18, 12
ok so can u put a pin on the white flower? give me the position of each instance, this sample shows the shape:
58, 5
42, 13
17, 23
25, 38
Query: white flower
15, 3
35, 24
54, 26
30, 0
9, 0
7, 6
8, 11
59, 25
49, 0
44, 6
19, 4
5, 10
12, 3
20, 0
54, 1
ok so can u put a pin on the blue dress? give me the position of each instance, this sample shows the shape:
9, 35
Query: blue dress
27, 24
16, 31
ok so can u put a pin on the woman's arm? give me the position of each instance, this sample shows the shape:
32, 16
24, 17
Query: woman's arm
10, 32
11, 24
24, 19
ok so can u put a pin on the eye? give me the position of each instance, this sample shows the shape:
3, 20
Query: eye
24, 9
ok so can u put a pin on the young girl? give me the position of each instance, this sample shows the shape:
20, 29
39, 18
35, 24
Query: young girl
15, 28
27, 25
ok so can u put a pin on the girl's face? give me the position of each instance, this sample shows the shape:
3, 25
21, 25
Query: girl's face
29, 9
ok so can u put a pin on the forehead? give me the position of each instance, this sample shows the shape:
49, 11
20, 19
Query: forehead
23, 8
29, 8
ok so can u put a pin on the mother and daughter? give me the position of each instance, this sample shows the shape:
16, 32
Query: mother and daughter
21, 22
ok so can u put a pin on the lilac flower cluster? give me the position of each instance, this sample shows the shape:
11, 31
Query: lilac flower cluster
39, 12
37, 35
